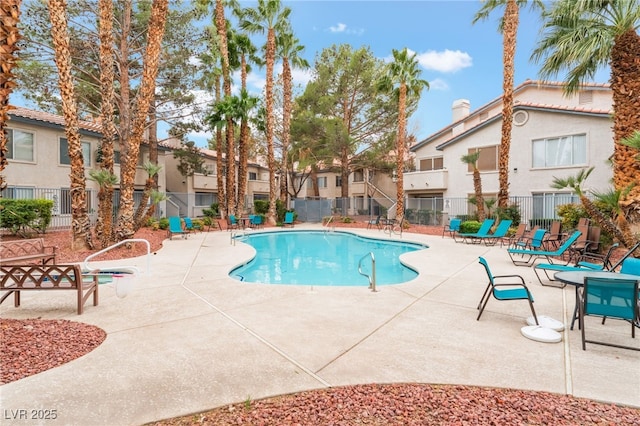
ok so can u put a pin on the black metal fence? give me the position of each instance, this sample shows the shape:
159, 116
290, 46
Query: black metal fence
534, 210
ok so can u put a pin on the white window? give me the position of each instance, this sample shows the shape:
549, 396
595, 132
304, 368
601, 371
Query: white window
562, 151
358, 176
64, 152
545, 204
253, 176
19, 145
322, 182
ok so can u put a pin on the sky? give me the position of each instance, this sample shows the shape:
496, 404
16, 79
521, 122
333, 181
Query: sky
460, 60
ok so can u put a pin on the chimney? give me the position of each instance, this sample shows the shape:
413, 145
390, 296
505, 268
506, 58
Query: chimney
460, 109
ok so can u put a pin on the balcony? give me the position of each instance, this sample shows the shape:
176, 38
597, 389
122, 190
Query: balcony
426, 181
208, 182
258, 186
357, 188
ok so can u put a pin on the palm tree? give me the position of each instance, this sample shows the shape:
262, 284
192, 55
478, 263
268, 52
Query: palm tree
152, 170
246, 104
289, 50
106, 180
80, 224
242, 52
402, 77
104, 224
213, 75
268, 17
472, 159
9, 36
509, 29
224, 115
582, 36
145, 96
611, 200
575, 183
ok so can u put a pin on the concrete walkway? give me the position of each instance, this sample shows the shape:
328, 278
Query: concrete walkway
189, 338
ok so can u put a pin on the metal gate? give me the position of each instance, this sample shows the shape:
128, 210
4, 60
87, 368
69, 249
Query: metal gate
311, 210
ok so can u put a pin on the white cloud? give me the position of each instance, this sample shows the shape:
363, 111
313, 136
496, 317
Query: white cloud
438, 84
446, 61
340, 28
301, 77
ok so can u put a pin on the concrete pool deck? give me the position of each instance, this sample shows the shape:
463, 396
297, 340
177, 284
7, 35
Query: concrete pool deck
189, 338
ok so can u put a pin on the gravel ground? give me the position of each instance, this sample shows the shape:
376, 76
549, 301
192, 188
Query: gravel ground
31, 346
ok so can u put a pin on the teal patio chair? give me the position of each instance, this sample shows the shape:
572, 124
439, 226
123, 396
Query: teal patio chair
453, 227
585, 264
609, 298
534, 242
190, 226
596, 261
288, 219
255, 221
232, 222
175, 227
513, 290
498, 234
482, 232
534, 255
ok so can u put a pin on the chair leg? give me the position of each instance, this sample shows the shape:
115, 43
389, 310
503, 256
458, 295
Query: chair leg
485, 294
483, 306
533, 311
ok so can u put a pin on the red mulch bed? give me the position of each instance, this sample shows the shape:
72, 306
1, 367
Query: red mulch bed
31, 346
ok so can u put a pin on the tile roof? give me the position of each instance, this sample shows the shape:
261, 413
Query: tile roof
47, 117
523, 105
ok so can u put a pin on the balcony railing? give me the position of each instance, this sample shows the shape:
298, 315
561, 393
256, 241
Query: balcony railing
431, 179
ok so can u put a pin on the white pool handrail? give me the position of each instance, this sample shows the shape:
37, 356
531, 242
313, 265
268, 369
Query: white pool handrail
131, 240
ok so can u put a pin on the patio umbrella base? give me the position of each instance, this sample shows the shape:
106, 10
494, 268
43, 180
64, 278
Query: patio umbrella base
546, 322
541, 334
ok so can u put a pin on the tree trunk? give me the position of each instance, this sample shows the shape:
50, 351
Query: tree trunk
104, 224
144, 97
286, 127
402, 125
509, 32
477, 185
80, 224
625, 85
9, 36
271, 52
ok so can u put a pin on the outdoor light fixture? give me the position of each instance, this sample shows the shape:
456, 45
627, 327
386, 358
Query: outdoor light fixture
394, 176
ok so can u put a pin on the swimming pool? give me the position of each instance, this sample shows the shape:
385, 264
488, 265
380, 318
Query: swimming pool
323, 258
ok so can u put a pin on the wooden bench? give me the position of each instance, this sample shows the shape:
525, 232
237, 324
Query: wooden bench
17, 278
27, 251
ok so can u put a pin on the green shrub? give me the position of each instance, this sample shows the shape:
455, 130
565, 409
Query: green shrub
25, 216
212, 211
571, 214
163, 223
512, 212
470, 227
345, 219
261, 207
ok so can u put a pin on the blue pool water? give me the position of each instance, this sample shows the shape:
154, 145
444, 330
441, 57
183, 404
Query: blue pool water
323, 258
